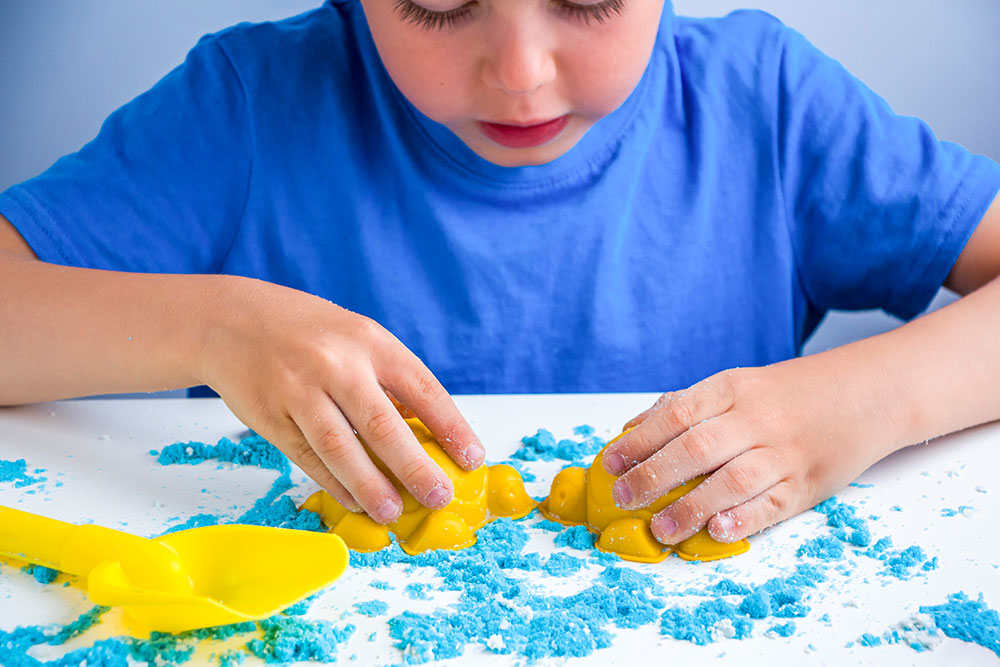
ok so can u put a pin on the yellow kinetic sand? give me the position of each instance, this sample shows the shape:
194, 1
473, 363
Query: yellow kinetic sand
481, 495
582, 496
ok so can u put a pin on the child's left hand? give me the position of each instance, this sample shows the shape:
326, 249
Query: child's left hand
780, 439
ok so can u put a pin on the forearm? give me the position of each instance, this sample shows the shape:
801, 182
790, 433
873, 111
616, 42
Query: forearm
936, 374
73, 332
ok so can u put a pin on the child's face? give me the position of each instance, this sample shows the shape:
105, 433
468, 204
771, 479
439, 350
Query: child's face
519, 81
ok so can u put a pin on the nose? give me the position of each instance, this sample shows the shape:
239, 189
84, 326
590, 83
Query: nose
518, 62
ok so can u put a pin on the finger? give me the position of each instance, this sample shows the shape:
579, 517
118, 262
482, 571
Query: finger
773, 505
380, 425
698, 450
305, 457
739, 480
334, 442
641, 417
673, 414
412, 383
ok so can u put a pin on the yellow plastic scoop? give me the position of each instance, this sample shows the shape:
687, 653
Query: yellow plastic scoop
185, 580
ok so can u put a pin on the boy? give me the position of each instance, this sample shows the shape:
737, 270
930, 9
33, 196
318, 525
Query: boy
532, 195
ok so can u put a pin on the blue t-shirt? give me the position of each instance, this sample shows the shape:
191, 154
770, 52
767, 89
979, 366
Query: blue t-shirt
748, 185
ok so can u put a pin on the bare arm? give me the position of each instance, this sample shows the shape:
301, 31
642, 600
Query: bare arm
783, 437
72, 332
299, 370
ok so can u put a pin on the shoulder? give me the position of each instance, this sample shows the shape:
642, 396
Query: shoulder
742, 36
320, 42
744, 50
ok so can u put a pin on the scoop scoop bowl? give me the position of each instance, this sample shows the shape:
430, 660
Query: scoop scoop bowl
190, 579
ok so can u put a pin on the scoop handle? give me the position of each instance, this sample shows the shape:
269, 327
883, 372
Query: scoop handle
70, 548
33, 538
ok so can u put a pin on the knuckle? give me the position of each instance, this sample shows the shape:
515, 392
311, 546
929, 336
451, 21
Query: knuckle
736, 381
680, 414
740, 482
698, 444
369, 490
777, 503
646, 482
690, 514
429, 388
368, 329
335, 446
381, 426
415, 471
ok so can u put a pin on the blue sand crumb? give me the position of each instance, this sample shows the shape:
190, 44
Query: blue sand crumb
231, 657
729, 587
858, 486
854, 530
968, 620
14, 645
949, 512
895, 636
382, 585
577, 537
371, 607
543, 446
250, 450
416, 591
562, 565
301, 607
604, 557
291, 640
550, 526
901, 564
701, 624
784, 629
42, 574
17, 473
823, 547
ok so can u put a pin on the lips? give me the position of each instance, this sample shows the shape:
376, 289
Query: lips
523, 136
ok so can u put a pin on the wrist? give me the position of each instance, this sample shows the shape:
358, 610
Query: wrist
224, 306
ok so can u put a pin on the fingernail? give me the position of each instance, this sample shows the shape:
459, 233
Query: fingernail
621, 493
724, 527
614, 464
663, 527
354, 507
474, 454
388, 511
437, 498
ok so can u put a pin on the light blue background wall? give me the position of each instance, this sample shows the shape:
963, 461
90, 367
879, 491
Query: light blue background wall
66, 64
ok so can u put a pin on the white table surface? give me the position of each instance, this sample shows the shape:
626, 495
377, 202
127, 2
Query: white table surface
99, 451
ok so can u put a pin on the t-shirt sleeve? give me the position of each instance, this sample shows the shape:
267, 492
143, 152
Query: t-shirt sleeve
160, 189
879, 209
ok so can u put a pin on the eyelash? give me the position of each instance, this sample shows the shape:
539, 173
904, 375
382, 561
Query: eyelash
431, 20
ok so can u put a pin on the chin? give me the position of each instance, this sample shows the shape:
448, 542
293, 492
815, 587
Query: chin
524, 157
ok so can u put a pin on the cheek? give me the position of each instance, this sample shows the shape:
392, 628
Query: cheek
425, 70
430, 83
604, 70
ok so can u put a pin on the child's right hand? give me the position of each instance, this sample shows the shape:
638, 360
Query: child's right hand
305, 374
